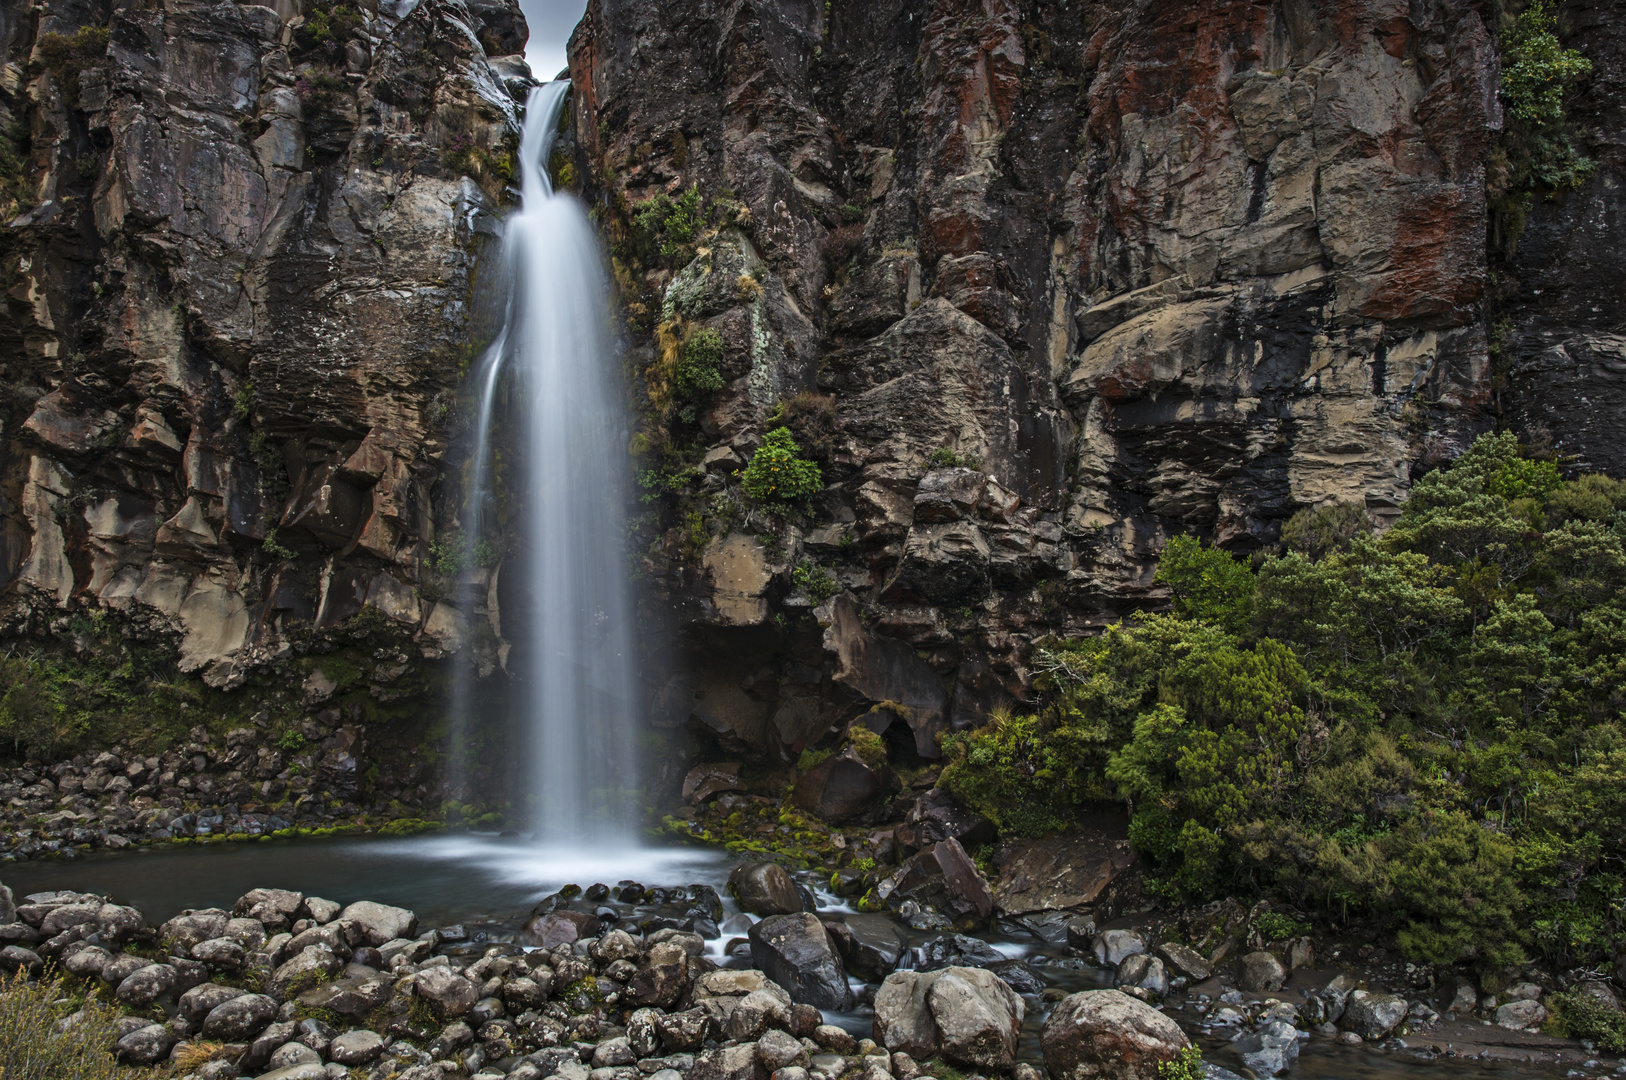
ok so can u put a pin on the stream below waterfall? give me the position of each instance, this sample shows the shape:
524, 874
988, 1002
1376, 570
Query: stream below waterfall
488, 885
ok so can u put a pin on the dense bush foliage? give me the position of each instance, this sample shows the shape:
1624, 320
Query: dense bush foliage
778, 474
699, 371
1537, 148
1420, 730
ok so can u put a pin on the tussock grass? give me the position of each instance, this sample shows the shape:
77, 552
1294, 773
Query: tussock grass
37, 1044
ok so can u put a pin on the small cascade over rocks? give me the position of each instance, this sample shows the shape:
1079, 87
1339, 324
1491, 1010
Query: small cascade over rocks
552, 368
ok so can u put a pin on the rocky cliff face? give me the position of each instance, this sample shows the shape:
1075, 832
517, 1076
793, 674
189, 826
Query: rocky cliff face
1147, 268
1046, 283
238, 270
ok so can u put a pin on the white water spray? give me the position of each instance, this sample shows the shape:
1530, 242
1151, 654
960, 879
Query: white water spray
572, 634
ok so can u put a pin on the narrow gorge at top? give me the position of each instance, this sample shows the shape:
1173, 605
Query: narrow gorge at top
1084, 494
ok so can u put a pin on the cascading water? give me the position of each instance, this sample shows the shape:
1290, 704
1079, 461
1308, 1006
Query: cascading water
572, 631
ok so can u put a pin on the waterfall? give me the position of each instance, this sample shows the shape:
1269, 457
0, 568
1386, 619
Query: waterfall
567, 608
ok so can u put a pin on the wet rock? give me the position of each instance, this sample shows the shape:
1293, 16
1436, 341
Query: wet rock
936, 817
1020, 976
835, 1039
240, 1018
764, 888
1113, 947
613, 1052
870, 945
795, 951
1335, 996
944, 878
956, 950
968, 1015
1464, 998
552, 929
147, 1045
1145, 972
356, 996
1260, 971
449, 992
1108, 1035
1372, 1015
1270, 1050
380, 923
1185, 960
842, 789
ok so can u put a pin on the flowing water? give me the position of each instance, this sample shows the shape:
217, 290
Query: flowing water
555, 364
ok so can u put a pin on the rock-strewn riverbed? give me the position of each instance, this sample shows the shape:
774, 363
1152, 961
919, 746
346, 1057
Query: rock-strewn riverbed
616, 984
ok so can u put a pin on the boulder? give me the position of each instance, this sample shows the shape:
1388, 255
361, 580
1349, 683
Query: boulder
277, 909
240, 1018
1113, 947
191, 927
778, 1050
1371, 1015
356, 996
660, 978
555, 928
681, 1031
1335, 996
200, 1001
1109, 1035
306, 968
1145, 972
870, 945
728, 1063
290, 1054
146, 985
842, 788
15, 958
1185, 961
1464, 998
1522, 1015
146, 1045
956, 950
448, 991
8, 906
119, 923
943, 878
222, 953
705, 781
322, 911
1065, 872
380, 923
1260, 971
1270, 1050
936, 817
795, 951
968, 1015
764, 888
84, 961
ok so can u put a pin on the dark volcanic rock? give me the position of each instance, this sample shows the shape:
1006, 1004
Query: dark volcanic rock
764, 888
796, 952
842, 789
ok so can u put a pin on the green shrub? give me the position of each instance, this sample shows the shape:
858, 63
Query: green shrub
777, 474
1207, 584
1537, 70
814, 582
667, 224
1422, 733
1279, 926
32, 1047
699, 370
1576, 1015
946, 457
1187, 1065
1318, 531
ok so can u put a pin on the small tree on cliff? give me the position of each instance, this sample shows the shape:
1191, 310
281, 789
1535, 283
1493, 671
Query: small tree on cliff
778, 474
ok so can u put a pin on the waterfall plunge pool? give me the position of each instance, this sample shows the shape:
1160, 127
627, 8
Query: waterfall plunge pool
488, 884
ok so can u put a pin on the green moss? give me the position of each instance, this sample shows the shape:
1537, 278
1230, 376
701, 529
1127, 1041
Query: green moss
870, 746
814, 582
811, 758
